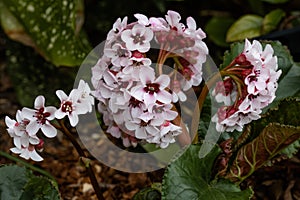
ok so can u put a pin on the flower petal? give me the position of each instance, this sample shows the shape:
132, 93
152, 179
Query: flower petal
32, 128
28, 113
51, 110
140, 133
39, 102
49, 131
73, 117
164, 96
35, 156
9, 122
59, 114
61, 95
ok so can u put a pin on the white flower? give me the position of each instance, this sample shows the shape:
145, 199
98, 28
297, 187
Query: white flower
173, 19
24, 142
137, 38
141, 128
70, 106
160, 113
84, 95
27, 153
40, 118
17, 130
118, 27
119, 55
192, 30
166, 136
151, 90
139, 66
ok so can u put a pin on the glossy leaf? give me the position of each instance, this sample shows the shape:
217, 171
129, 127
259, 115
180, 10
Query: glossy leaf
12, 27
285, 60
12, 181
189, 177
258, 152
51, 26
289, 84
248, 26
216, 29
282, 114
39, 188
271, 20
19, 183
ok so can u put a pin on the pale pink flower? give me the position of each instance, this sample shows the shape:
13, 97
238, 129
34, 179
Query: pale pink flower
17, 130
119, 55
28, 152
117, 29
70, 106
138, 38
40, 118
85, 97
173, 18
141, 128
151, 90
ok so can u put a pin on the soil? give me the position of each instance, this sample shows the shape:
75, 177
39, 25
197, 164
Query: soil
281, 182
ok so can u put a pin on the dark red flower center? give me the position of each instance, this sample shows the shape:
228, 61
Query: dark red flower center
42, 116
66, 106
151, 88
137, 39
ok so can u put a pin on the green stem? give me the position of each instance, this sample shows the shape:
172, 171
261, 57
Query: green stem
30, 166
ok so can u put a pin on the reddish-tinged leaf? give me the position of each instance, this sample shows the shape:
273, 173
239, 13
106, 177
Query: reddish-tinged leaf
255, 154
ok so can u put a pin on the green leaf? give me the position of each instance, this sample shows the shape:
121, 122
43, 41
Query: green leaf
285, 60
19, 183
236, 49
12, 180
216, 29
285, 113
39, 188
248, 26
189, 177
288, 86
271, 20
292, 149
275, 1
12, 27
148, 194
52, 27
258, 152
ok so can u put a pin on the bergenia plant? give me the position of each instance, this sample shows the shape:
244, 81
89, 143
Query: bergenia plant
145, 73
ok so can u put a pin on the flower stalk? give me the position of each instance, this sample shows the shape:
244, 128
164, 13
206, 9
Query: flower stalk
82, 156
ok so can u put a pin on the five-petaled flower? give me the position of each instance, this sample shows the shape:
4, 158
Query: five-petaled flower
40, 118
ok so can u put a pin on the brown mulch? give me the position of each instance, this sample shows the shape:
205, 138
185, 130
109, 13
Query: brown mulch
281, 182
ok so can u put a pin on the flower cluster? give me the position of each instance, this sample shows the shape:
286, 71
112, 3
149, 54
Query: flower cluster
24, 130
136, 91
249, 87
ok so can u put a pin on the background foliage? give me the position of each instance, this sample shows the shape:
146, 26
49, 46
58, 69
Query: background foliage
43, 43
